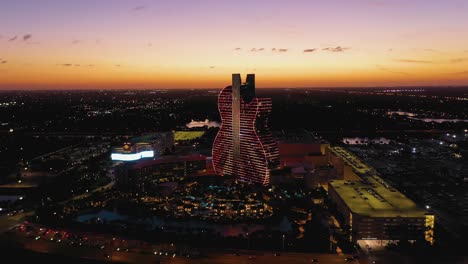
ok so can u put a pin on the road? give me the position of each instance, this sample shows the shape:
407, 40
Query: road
137, 257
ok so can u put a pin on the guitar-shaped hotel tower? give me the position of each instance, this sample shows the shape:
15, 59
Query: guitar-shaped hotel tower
244, 146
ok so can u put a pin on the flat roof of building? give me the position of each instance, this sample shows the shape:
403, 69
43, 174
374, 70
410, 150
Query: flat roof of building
299, 149
373, 197
350, 159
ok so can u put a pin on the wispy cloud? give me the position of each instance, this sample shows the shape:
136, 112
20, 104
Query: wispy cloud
382, 68
237, 49
386, 3
75, 65
279, 50
432, 50
212, 67
458, 60
4, 61
139, 8
413, 61
336, 49
461, 73
257, 50
118, 65
75, 42
13, 38
309, 50
27, 37
282, 50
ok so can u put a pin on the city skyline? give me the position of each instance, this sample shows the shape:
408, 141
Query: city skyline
180, 44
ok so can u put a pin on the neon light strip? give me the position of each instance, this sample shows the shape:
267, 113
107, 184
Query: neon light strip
132, 156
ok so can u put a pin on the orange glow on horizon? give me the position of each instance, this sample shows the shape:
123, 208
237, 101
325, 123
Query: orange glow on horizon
180, 44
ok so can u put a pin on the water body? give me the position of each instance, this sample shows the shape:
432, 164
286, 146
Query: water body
11, 198
207, 123
106, 215
424, 119
186, 226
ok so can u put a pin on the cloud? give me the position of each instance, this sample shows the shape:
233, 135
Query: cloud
382, 68
386, 3
13, 38
414, 61
4, 62
75, 65
461, 73
27, 37
431, 50
76, 41
118, 65
279, 50
336, 49
458, 60
237, 49
212, 67
309, 50
256, 50
139, 8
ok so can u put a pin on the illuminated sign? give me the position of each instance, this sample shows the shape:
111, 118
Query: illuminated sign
132, 156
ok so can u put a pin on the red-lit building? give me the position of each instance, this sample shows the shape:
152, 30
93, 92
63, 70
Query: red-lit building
244, 146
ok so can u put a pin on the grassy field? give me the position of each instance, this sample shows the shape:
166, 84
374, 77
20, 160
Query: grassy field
187, 135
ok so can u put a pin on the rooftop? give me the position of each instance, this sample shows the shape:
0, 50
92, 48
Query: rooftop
375, 198
350, 159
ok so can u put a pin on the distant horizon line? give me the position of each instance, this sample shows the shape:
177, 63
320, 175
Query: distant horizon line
262, 88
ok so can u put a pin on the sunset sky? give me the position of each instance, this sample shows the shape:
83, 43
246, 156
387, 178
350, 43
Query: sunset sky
62, 44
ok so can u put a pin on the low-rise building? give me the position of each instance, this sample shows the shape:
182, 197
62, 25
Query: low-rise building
373, 210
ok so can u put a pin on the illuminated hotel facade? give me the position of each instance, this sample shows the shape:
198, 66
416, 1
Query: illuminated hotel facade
132, 152
244, 146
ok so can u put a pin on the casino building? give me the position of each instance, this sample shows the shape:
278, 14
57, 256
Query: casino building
162, 169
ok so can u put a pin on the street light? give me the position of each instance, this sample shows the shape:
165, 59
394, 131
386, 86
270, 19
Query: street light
248, 240
283, 241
